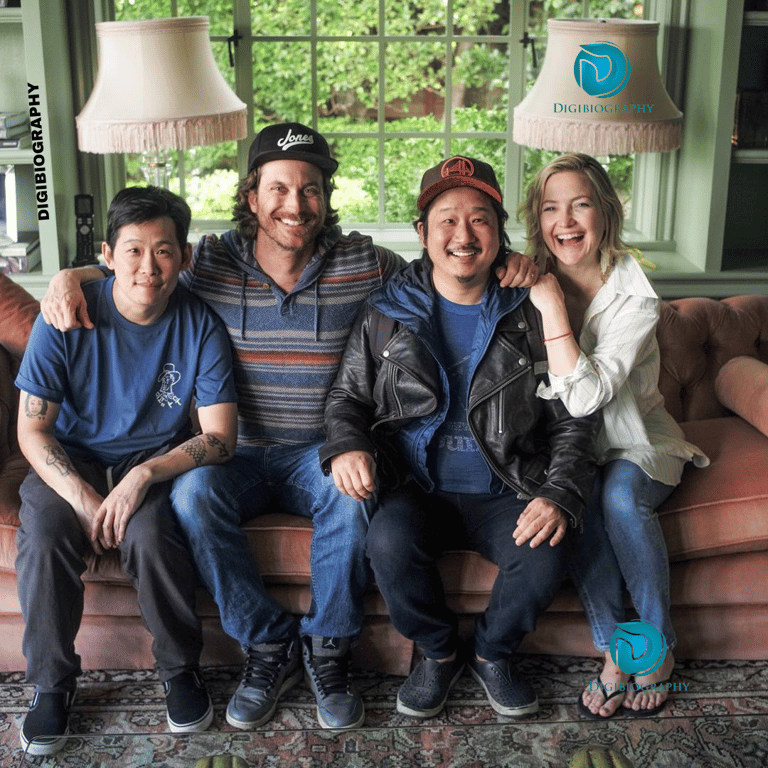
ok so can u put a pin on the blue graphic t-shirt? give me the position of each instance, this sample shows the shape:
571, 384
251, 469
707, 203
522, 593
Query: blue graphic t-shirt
124, 388
455, 462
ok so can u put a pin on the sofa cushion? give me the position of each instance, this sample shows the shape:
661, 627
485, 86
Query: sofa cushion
696, 337
18, 310
719, 509
742, 386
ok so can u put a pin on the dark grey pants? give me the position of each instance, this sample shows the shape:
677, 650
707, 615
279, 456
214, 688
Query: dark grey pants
52, 546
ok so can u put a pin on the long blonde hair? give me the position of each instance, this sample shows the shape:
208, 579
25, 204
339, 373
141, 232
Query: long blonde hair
611, 245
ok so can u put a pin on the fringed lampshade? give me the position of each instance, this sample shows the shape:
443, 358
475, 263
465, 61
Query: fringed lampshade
599, 92
158, 87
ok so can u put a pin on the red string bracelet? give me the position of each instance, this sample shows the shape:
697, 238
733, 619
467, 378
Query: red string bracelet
562, 336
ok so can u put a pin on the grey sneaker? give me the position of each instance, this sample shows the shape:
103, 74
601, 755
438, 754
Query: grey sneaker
424, 693
45, 728
507, 693
270, 670
326, 663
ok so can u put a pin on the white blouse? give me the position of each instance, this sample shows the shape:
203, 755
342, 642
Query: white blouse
618, 371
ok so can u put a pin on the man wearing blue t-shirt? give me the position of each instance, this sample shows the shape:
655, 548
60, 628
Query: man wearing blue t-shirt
436, 394
104, 423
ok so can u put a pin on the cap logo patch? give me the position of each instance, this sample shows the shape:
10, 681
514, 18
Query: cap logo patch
457, 166
290, 140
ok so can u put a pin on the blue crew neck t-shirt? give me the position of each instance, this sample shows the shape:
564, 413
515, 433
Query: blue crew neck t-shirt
124, 388
454, 459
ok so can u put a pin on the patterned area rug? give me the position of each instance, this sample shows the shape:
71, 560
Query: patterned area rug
719, 719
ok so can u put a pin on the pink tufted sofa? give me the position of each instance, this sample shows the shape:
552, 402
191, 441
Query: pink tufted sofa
716, 522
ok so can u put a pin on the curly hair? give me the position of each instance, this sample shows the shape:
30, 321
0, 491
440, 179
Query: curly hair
529, 212
246, 223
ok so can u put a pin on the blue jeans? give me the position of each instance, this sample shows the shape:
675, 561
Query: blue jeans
623, 543
411, 529
212, 502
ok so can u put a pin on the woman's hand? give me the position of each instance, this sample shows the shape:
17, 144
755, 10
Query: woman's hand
547, 295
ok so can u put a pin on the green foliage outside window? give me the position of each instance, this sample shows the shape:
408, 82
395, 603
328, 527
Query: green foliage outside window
349, 100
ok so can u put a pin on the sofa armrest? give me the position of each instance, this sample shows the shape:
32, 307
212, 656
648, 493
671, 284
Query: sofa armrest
18, 310
8, 406
742, 387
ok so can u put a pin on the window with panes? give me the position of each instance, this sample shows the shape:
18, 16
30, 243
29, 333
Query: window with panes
395, 86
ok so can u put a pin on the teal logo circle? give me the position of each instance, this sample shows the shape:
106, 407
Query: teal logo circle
601, 69
637, 647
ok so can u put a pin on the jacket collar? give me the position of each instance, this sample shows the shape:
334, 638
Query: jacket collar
410, 297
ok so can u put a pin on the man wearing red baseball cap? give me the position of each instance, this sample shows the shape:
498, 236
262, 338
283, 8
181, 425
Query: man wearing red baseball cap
441, 414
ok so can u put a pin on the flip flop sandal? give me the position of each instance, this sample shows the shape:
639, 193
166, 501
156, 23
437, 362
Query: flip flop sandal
653, 711
586, 712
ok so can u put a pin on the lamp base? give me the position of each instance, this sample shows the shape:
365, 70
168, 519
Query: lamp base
155, 167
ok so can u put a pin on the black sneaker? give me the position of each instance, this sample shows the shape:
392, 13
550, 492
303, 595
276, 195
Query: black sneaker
188, 703
270, 670
45, 728
326, 663
425, 691
507, 693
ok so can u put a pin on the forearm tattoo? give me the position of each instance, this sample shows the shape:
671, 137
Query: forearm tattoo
35, 407
58, 458
196, 449
217, 444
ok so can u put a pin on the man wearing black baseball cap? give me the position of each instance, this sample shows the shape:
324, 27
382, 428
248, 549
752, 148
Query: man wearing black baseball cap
288, 285
466, 454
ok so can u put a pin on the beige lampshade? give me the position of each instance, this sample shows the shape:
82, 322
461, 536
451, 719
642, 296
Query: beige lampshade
599, 91
158, 86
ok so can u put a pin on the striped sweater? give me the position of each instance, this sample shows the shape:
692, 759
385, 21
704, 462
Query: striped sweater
287, 347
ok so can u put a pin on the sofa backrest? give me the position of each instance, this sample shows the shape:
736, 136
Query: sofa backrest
696, 337
18, 310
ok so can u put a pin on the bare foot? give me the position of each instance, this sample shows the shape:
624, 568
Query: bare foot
652, 698
604, 696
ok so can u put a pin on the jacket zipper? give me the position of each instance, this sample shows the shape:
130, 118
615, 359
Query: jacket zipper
392, 382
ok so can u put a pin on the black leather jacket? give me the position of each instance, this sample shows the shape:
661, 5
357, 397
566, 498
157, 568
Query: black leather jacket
385, 401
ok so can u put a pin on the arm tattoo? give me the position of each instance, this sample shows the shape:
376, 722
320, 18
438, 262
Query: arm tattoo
214, 442
35, 407
196, 449
59, 459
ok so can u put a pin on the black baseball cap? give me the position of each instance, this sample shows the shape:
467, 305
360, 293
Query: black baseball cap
290, 141
458, 171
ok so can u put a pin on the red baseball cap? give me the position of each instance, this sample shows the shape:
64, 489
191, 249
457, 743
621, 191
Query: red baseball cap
458, 171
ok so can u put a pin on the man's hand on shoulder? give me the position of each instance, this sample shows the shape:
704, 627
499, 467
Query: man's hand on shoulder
518, 271
540, 520
63, 305
354, 473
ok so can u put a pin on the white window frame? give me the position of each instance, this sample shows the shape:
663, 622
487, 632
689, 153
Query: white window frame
651, 224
